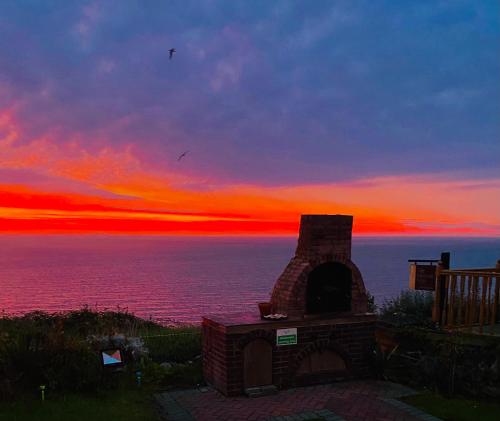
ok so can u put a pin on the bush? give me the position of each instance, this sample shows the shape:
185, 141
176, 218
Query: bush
61, 350
73, 367
178, 345
184, 375
410, 308
372, 307
34, 356
450, 363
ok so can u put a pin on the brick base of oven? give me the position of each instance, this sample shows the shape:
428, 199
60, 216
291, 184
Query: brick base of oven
326, 350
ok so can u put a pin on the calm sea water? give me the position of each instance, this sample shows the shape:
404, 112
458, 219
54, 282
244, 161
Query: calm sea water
182, 278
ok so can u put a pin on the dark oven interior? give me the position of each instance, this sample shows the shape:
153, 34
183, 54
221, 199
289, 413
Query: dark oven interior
329, 289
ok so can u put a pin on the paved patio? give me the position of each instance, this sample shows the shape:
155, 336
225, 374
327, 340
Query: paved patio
350, 401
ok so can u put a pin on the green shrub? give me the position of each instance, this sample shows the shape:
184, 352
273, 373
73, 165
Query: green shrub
449, 363
73, 368
61, 350
152, 373
372, 307
35, 356
184, 375
178, 345
410, 308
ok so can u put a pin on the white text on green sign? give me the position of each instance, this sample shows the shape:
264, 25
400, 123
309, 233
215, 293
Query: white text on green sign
286, 336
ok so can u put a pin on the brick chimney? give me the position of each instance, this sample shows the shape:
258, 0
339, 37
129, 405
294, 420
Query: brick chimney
324, 244
325, 235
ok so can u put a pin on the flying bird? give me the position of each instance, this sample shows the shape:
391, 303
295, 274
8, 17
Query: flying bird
182, 155
171, 51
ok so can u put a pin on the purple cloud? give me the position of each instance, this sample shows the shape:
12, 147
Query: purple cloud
265, 93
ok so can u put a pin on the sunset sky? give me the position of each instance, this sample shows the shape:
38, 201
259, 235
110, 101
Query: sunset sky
386, 110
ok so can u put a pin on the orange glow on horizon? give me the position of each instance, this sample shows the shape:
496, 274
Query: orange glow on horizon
24, 211
130, 197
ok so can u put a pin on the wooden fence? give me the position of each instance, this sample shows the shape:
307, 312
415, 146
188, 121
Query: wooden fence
467, 298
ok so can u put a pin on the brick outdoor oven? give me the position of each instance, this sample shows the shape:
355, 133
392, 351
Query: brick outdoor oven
328, 334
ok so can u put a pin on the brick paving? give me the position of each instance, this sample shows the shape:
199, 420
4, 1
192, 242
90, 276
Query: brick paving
349, 401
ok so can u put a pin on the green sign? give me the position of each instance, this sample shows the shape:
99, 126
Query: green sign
286, 336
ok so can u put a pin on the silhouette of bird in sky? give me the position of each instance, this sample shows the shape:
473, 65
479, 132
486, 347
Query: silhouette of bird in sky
182, 155
171, 51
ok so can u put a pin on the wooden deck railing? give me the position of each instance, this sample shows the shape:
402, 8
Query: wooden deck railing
467, 298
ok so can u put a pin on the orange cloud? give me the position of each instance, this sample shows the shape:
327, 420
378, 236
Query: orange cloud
131, 197
22, 210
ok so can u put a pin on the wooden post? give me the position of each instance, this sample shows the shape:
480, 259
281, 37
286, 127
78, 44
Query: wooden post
445, 264
451, 304
445, 258
468, 299
436, 309
496, 298
495, 305
488, 299
484, 287
473, 303
441, 289
461, 299
445, 300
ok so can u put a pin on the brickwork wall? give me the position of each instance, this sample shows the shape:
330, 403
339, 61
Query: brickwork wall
215, 355
223, 356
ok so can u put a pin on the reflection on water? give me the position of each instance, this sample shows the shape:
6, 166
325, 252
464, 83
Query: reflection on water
181, 278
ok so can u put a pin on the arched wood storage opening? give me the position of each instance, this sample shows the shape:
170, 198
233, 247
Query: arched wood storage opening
257, 363
320, 366
329, 289
322, 361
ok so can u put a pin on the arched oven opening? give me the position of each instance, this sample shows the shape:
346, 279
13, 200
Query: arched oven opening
329, 289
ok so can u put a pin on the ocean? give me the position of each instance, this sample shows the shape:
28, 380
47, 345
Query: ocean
182, 278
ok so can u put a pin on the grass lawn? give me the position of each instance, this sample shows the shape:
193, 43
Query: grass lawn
129, 405
455, 409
